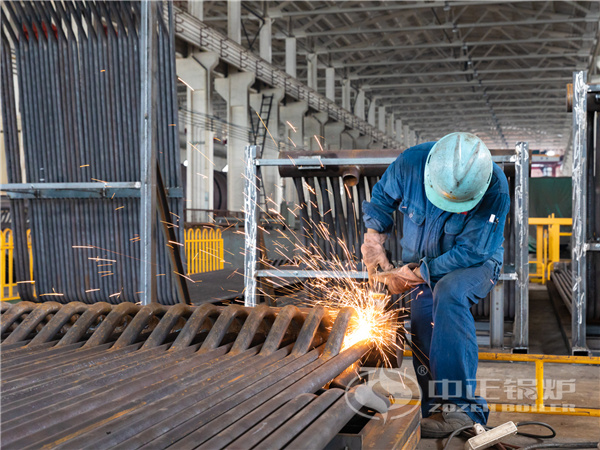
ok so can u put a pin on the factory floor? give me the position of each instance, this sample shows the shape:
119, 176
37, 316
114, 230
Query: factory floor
506, 382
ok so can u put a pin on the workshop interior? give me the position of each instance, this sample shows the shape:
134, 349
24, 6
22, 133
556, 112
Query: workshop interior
236, 224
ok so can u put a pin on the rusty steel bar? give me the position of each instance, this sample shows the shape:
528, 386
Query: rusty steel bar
317, 436
34, 318
263, 429
155, 376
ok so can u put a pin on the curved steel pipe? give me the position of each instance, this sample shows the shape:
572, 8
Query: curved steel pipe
34, 318
137, 325
112, 321
221, 326
193, 325
14, 313
338, 332
166, 324
246, 335
57, 322
286, 316
83, 324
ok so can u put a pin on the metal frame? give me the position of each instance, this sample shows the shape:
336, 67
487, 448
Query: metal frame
148, 46
521, 324
578, 240
520, 276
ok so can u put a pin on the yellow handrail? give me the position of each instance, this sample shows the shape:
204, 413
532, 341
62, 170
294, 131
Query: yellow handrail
539, 361
547, 244
203, 250
8, 287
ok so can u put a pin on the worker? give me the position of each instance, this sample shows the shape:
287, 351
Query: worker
454, 200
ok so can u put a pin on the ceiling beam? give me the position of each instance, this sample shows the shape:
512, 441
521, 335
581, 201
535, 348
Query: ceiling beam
591, 18
459, 73
390, 6
472, 83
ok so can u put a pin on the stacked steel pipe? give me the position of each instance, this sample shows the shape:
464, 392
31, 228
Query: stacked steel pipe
78, 85
102, 376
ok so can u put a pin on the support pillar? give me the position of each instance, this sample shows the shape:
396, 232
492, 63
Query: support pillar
406, 136
265, 47
234, 20
234, 89
196, 71
372, 110
314, 131
330, 83
359, 105
381, 118
311, 63
346, 94
196, 9
349, 138
399, 130
290, 56
291, 117
332, 131
363, 142
389, 124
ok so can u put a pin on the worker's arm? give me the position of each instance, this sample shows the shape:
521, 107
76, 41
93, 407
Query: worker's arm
385, 198
481, 237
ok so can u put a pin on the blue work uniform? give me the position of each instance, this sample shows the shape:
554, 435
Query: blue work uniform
460, 258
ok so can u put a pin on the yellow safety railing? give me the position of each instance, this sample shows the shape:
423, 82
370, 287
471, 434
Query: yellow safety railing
539, 360
203, 250
548, 236
8, 287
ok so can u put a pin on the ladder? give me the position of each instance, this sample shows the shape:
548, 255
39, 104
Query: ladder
259, 138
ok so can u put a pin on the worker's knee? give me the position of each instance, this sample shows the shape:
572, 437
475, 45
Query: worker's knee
449, 292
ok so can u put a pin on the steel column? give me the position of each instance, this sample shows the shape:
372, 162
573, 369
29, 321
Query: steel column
578, 301
250, 208
497, 315
521, 325
148, 46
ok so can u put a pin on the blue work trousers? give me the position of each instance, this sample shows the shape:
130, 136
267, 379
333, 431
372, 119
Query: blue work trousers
444, 343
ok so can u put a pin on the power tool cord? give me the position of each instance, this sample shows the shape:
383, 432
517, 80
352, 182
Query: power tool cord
531, 435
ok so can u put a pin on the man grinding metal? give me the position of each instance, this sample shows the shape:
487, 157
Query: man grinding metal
454, 200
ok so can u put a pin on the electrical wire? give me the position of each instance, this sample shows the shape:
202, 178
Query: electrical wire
564, 445
530, 435
455, 433
537, 436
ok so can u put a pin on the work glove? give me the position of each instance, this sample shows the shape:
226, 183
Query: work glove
400, 280
373, 253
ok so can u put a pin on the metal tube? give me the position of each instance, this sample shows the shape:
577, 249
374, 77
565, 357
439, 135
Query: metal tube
521, 324
260, 431
251, 225
148, 93
285, 433
578, 250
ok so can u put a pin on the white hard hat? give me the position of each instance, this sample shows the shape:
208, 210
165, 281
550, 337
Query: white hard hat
458, 172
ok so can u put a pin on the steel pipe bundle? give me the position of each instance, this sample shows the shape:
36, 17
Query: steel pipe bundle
78, 85
126, 376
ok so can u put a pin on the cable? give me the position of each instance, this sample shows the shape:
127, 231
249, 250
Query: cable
520, 424
454, 433
536, 436
565, 445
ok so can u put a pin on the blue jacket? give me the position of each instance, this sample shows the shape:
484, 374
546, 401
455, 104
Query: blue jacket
441, 241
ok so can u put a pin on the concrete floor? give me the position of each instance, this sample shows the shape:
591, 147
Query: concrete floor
580, 384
